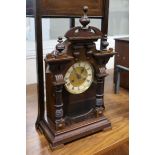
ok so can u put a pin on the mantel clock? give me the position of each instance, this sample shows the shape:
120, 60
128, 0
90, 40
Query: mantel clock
74, 75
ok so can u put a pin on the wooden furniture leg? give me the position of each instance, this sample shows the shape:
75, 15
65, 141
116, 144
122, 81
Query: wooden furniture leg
39, 64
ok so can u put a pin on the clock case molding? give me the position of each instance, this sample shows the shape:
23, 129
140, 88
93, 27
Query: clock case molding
61, 121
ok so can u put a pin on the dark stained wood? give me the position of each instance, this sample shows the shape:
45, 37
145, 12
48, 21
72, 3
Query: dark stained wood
112, 142
76, 34
84, 43
72, 22
68, 7
71, 116
124, 39
95, 121
122, 58
39, 62
104, 21
105, 15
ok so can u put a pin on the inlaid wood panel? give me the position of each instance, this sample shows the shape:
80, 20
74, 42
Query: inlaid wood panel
70, 7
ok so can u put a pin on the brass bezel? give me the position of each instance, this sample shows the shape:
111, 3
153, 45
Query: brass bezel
85, 88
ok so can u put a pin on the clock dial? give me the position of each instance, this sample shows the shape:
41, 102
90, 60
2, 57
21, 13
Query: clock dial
79, 77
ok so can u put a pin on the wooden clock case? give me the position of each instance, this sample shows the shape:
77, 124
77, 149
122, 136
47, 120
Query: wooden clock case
72, 116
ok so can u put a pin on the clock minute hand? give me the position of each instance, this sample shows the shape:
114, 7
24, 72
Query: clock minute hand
77, 75
83, 77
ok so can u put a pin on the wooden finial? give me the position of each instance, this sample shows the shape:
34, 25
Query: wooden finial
60, 46
104, 42
84, 20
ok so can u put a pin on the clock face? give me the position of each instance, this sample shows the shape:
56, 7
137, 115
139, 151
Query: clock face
79, 77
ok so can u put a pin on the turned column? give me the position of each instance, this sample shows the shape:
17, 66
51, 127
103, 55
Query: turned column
59, 120
100, 91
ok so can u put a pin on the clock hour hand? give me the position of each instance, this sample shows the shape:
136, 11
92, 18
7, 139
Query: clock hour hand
82, 70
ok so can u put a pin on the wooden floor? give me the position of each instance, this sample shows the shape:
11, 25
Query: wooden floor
112, 142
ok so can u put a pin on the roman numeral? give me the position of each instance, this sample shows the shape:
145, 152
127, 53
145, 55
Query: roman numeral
68, 84
88, 68
88, 80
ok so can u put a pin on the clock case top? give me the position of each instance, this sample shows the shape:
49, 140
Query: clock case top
72, 112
